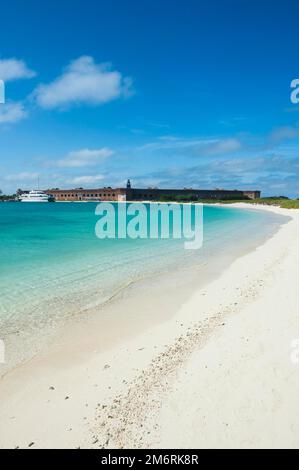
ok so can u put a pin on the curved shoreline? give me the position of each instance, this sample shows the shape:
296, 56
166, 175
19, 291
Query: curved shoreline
139, 370
30, 335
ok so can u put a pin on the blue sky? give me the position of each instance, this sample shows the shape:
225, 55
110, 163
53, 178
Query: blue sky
187, 93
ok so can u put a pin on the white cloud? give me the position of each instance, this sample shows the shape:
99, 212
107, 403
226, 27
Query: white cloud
281, 134
90, 179
200, 146
223, 146
14, 69
12, 112
85, 157
22, 177
83, 82
168, 142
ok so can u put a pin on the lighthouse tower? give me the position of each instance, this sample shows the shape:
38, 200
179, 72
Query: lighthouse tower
128, 184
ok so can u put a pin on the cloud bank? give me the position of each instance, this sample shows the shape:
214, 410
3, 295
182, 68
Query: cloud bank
88, 179
22, 177
85, 157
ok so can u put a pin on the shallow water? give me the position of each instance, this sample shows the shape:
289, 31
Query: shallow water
52, 266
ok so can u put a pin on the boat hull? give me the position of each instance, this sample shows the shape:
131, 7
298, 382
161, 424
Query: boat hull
34, 200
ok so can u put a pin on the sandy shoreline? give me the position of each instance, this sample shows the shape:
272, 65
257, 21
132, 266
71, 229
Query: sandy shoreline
216, 374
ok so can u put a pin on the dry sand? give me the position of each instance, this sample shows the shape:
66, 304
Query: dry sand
217, 372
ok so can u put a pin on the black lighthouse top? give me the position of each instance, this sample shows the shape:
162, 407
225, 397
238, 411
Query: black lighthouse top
128, 184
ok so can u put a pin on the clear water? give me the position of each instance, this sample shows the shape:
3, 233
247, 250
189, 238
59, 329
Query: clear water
52, 265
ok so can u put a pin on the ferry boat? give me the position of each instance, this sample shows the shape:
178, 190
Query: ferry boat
36, 196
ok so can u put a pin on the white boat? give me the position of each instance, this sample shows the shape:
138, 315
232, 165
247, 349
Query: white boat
36, 196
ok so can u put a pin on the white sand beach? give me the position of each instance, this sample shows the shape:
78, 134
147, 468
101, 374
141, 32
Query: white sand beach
208, 368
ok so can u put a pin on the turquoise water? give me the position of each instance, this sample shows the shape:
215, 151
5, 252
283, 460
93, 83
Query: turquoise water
53, 266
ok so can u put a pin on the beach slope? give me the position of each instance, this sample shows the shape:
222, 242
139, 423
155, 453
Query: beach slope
222, 371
